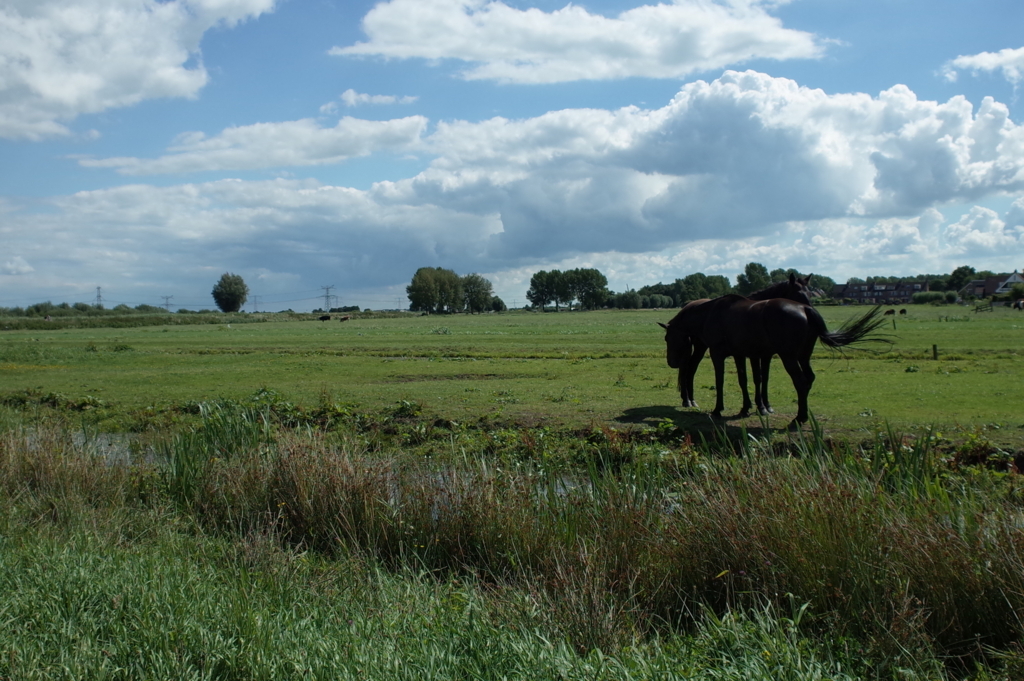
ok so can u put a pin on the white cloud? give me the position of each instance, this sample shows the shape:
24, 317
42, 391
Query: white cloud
746, 167
731, 157
532, 46
265, 145
15, 266
981, 232
353, 98
63, 58
1009, 61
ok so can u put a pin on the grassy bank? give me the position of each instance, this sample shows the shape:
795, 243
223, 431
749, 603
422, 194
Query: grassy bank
246, 550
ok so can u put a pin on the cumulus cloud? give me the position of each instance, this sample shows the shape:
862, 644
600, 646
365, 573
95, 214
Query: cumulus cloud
734, 156
981, 232
265, 145
531, 46
63, 58
353, 98
746, 167
15, 266
1009, 61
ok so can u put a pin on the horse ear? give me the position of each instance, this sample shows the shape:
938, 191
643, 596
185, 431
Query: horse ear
792, 279
664, 326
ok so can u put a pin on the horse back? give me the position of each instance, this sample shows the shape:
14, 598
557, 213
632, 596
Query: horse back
762, 328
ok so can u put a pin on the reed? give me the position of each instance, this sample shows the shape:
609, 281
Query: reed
883, 544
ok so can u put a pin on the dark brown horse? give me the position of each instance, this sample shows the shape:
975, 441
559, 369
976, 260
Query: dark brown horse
737, 326
688, 353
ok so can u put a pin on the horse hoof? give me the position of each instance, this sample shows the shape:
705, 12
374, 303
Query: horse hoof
793, 425
716, 414
744, 413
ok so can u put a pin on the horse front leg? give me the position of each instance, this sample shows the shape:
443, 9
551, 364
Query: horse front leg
761, 384
741, 375
684, 393
719, 361
696, 355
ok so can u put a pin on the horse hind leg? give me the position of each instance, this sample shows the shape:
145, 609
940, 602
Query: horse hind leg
802, 384
719, 362
761, 367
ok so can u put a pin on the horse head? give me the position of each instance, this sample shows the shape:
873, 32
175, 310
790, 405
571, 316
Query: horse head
677, 344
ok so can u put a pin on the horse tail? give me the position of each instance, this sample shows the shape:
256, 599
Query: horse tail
854, 330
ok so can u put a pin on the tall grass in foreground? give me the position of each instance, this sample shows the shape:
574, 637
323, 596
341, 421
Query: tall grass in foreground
896, 564
78, 605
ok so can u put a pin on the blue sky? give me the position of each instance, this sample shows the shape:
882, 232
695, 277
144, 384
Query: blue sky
148, 147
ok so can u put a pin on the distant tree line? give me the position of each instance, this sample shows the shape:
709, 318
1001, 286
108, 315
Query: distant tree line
563, 289
49, 309
588, 288
441, 291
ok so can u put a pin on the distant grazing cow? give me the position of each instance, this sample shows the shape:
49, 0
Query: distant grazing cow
889, 312
324, 317
903, 311
344, 319
1018, 304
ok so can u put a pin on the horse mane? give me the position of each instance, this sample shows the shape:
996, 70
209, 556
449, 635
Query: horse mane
788, 288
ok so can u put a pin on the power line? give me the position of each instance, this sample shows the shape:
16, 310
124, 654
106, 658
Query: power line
327, 296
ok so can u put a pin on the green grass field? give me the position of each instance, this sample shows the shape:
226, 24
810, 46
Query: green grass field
504, 496
565, 369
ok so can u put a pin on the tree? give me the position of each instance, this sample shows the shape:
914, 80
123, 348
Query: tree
627, 300
422, 291
435, 289
561, 285
699, 285
670, 290
450, 297
230, 293
754, 278
542, 288
477, 293
823, 283
588, 287
498, 305
960, 277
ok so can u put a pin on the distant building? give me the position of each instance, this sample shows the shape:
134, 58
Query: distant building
992, 286
878, 294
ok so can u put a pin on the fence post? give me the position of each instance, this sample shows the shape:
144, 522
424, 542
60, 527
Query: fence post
935, 351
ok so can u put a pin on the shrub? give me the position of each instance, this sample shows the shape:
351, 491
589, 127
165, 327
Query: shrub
925, 297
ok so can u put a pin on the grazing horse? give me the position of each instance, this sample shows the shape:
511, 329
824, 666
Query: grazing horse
324, 318
1018, 304
737, 326
889, 312
687, 354
903, 311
